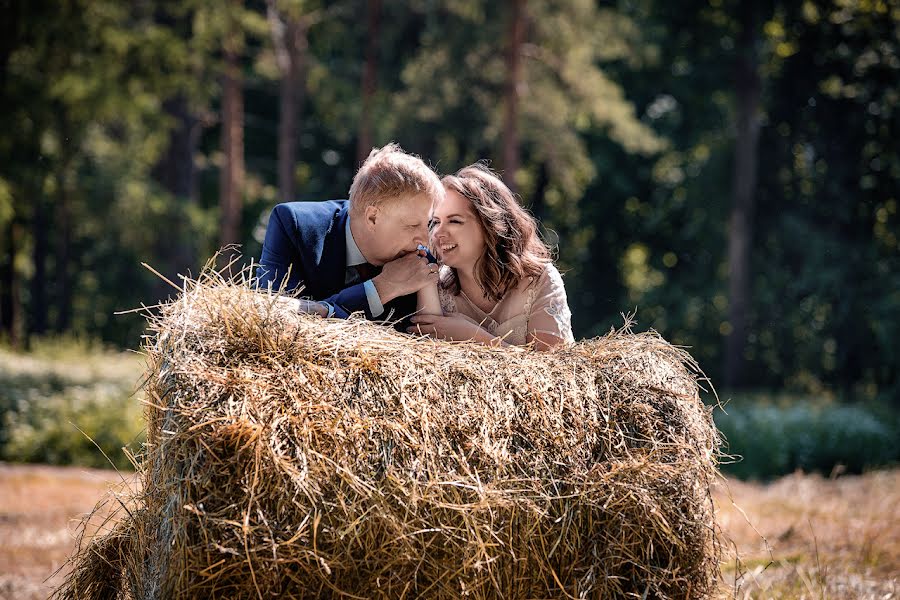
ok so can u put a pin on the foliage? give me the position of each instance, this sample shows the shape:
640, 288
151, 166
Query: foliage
769, 439
824, 307
63, 428
567, 94
626, 152
65, 397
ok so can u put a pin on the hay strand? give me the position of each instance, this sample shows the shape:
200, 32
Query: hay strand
298, 457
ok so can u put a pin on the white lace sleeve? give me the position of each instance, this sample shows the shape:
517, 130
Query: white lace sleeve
448, 301
550, 311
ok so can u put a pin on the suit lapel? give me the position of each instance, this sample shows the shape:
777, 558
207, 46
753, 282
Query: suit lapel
333, 260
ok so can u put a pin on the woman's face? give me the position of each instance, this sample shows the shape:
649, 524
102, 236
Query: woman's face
456, 234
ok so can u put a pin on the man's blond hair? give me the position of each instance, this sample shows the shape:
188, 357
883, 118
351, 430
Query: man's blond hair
389, 174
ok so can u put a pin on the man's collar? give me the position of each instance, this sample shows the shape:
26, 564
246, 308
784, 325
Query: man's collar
354, 256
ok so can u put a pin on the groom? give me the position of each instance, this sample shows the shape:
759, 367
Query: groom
357, 254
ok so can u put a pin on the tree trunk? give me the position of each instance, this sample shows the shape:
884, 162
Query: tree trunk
40, 236
289, 34
63, 257
740, 232
514, 84
9, 283
231, 180
9, 28
176, 174
290, 97
62, 231
175, 171
369, 82
539, 203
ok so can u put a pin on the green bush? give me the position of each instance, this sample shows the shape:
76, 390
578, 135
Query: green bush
63, 397
62, 429
769, 439
64, 385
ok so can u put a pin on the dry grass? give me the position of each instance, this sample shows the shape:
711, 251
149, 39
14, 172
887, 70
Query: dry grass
298, 457
852, 521
805, 536
40, 510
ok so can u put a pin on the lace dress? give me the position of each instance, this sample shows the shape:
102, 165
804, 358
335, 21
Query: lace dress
537, 305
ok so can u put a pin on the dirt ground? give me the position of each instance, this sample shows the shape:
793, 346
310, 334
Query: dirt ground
802, 536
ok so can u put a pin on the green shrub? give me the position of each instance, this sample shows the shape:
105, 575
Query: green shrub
59, 429
62, 386
773, 439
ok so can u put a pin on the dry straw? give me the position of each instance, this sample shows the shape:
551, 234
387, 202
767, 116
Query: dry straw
294, 457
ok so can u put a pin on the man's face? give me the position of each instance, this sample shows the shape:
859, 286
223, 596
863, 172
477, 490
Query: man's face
397, 228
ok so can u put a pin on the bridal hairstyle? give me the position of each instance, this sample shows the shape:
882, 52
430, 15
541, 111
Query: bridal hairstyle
390, 174
513, 249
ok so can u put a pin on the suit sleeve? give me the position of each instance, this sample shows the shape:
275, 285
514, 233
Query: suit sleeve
349, 300
281, 263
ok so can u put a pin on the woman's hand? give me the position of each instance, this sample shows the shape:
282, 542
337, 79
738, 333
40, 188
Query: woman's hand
451, 328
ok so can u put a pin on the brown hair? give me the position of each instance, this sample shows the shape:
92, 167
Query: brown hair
390, 173
513, 248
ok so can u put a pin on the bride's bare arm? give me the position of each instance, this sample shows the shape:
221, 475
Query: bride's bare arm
428, 302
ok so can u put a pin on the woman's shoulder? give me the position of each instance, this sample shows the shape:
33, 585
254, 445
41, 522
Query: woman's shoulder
551, 271
549, 277
547, 284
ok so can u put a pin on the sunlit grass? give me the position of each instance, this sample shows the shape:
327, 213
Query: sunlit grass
807, 536
65, 361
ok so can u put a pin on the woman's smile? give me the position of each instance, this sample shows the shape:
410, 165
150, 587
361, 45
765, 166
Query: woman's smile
453, 219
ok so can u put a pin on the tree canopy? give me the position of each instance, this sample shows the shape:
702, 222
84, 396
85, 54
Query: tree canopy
123, 126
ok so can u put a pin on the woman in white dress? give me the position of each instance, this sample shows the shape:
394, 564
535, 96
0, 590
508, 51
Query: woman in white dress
497, 285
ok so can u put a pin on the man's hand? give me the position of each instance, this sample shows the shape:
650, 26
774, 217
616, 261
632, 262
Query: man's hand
300, 305
405, 275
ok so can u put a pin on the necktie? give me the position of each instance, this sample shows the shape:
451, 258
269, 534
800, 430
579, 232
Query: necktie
367, 271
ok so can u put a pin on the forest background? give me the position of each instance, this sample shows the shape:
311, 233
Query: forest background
726, 169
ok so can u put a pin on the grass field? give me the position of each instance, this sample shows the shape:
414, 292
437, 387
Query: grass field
40, 508
65, 396
802, 536
805, 536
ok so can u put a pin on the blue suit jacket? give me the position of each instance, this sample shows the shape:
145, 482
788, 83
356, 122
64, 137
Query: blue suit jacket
309, 239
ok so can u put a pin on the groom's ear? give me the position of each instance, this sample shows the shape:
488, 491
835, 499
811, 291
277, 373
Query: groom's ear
371, 216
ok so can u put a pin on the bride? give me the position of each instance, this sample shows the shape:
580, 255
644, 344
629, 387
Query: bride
497, 285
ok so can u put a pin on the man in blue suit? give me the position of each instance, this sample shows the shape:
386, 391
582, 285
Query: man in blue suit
358, 254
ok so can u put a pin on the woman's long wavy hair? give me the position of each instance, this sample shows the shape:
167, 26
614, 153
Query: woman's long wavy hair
513, 248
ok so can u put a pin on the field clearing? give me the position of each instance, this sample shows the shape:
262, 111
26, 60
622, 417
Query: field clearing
802, 536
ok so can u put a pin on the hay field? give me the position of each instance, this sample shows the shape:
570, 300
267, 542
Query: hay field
827, 538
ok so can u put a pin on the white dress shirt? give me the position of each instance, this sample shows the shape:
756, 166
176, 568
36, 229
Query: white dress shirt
355, 257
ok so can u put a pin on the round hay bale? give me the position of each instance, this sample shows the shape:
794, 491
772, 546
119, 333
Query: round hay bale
294, 457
